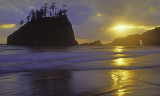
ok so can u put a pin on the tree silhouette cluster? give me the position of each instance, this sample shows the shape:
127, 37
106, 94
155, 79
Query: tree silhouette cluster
45, 11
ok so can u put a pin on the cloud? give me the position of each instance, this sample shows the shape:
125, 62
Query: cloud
91, 17
144, 14
7, 26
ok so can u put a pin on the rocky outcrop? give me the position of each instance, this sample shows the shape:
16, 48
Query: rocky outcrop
95, 43
44, 32
131, 40
151, 38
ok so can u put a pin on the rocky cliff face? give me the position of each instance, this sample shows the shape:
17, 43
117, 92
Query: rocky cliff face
44, 32
151, 38
131, 40
95, 43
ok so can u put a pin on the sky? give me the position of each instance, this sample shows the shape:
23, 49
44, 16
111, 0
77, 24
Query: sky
91, 19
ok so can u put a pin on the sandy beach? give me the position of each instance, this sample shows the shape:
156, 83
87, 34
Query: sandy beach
80, 71
143, 82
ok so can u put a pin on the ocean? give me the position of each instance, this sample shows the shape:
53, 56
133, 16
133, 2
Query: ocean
80, 71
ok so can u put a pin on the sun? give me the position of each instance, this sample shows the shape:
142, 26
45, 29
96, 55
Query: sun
121, 28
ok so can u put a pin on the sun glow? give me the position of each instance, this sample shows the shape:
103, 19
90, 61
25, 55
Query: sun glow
121, 28
125, 27
98, 14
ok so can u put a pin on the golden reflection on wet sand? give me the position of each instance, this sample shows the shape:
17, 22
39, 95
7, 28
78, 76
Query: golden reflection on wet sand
121, 78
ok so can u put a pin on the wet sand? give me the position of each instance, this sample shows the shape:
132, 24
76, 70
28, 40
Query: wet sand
143, 82
81, 71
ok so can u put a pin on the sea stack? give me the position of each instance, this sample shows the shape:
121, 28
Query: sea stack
55, 30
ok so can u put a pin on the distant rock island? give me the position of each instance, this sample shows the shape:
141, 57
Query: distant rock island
95, 43
131, 40
149, 38
44, 30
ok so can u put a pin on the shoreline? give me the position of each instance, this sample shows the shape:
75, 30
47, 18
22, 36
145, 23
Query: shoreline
79, 83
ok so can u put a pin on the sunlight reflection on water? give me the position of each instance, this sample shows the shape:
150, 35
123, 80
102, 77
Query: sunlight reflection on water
101, 73
118, 49
121, 79
122, 61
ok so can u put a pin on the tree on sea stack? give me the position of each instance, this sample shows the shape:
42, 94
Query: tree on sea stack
21, 22
44, 27
44, 10
52, 12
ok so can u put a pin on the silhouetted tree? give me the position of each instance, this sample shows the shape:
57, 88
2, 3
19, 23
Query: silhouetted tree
52, 7
21, 22
45, 9
42, 12
64, 12
33, 16
28, 18
39, 14
50, 14
60, 13
55, 12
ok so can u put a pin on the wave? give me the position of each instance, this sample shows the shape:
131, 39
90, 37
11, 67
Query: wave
49, 59
14, 70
